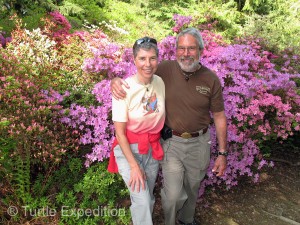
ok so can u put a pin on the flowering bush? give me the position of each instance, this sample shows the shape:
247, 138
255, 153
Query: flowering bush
181, 22
32, 117
29, 68
32, 46
57, 27
261, 103
93, 123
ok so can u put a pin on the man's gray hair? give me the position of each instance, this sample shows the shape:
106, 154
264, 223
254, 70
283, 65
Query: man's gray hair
195, 33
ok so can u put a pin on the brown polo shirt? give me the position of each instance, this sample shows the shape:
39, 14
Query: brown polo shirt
189, 102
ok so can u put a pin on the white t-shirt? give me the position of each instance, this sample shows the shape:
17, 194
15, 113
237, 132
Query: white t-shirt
144, 106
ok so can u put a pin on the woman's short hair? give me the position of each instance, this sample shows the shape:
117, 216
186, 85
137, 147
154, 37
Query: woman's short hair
145, 43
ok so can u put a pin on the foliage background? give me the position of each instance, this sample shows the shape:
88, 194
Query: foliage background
126, 20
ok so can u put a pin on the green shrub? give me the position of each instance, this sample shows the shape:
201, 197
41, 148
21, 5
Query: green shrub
99, 191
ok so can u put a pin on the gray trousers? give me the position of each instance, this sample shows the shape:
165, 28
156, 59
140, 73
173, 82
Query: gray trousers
142, 202
184, 166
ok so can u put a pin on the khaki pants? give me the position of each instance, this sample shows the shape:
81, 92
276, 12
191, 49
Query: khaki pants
184, 166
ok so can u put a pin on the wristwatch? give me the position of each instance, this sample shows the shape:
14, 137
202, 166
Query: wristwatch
225, 153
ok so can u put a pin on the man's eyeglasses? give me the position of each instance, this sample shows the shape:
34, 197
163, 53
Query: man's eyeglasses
145, 40
189, 48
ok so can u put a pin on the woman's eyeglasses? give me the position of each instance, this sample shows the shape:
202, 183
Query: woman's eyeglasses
145, 40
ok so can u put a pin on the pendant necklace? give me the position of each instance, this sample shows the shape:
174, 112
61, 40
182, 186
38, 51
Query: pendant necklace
187, 75
145, 85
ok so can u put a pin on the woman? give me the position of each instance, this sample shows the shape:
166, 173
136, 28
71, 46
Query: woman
138, 120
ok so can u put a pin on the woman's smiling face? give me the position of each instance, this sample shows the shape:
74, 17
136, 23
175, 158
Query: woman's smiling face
146, 63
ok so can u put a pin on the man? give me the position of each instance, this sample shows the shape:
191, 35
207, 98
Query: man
192, 92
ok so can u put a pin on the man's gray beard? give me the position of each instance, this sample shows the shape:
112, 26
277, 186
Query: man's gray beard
190, 68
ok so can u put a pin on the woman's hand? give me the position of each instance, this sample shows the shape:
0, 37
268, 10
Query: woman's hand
137, 178
137, 175
117, 88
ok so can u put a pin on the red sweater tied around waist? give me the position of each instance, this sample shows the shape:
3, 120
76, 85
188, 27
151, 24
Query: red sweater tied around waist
143, 141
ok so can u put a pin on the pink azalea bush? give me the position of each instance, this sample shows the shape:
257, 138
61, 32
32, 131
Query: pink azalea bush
56, 26
181, 22
74, 49
256, 107
94, 122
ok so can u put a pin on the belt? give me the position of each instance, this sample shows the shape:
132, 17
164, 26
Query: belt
187, 135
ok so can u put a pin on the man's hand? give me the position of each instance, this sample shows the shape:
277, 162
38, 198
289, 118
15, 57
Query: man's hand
220, 166
117, 88
137, 178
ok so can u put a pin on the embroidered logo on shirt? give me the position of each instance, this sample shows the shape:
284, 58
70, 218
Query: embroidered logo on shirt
150, 104
202, 89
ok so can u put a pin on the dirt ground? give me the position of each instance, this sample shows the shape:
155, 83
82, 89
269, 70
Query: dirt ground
275, 200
